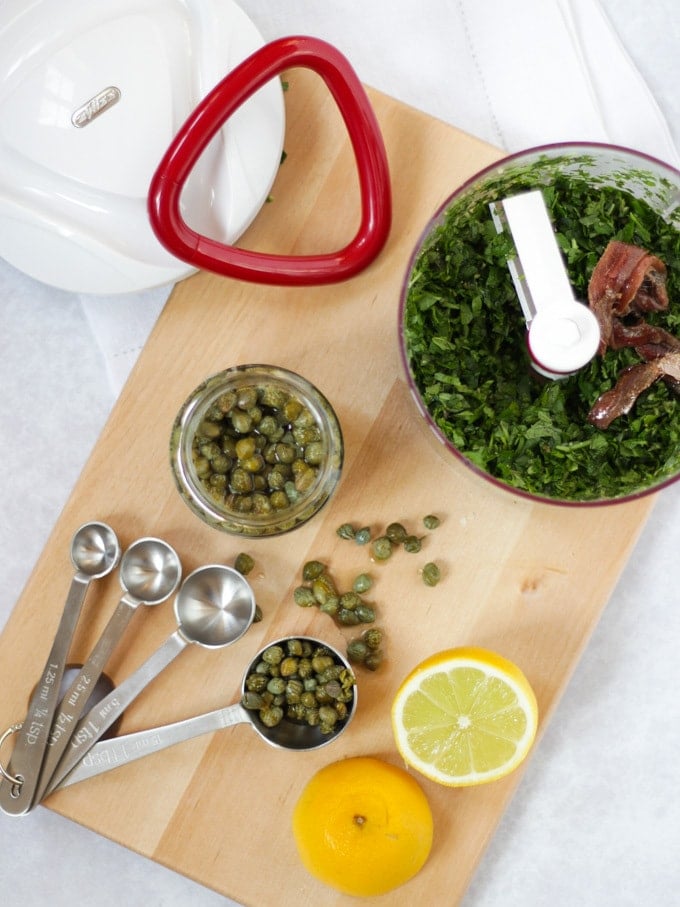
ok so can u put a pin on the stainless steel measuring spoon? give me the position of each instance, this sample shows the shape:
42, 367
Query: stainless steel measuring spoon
150, 571
214, 608
288, 734
95, 551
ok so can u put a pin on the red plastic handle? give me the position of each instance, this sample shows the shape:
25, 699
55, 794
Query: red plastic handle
211, 114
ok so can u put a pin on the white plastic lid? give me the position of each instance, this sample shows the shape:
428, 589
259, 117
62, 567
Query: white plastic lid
90, 96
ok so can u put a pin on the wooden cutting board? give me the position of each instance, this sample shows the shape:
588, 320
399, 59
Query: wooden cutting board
518, 577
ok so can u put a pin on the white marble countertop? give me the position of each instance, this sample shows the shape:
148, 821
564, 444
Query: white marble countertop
596, 820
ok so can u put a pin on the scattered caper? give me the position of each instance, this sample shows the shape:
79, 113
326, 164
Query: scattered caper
363, 536
346, 531
366, 649
365, 613
312, 570
323, 588
304, 597
330, 606
412, 544
350, 600
431, 574
244, 563
382, 548
396, 533
431, 521
373, 637
373, 660
362, 583
347, 608
357, 650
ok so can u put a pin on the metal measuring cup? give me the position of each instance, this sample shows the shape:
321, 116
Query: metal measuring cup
288, 734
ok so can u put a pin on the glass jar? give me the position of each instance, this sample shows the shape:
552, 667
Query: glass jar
256, 450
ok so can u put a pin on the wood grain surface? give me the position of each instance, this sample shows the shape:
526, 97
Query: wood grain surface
527, 580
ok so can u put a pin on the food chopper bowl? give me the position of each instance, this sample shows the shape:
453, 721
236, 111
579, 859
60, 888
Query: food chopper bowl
463, 338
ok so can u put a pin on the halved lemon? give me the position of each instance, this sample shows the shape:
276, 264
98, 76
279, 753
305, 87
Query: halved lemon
363, 826
464, 716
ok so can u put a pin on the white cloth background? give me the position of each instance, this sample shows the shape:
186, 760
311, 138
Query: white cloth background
596, 820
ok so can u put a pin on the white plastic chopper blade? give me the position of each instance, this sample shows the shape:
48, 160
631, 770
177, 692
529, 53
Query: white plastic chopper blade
563, 333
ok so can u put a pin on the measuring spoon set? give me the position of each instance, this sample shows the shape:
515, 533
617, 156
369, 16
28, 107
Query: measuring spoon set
214, 607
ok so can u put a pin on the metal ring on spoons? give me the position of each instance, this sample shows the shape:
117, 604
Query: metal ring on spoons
214, 608
290, 735
150, 572
95, 551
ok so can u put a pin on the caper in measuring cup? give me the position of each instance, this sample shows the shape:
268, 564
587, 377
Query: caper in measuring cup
300, 680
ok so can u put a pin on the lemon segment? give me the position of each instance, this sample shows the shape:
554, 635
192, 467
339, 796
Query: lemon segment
465, 716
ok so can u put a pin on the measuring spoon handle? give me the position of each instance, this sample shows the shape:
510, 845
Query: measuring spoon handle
109, 709
31, 743
75, 698
109, 754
